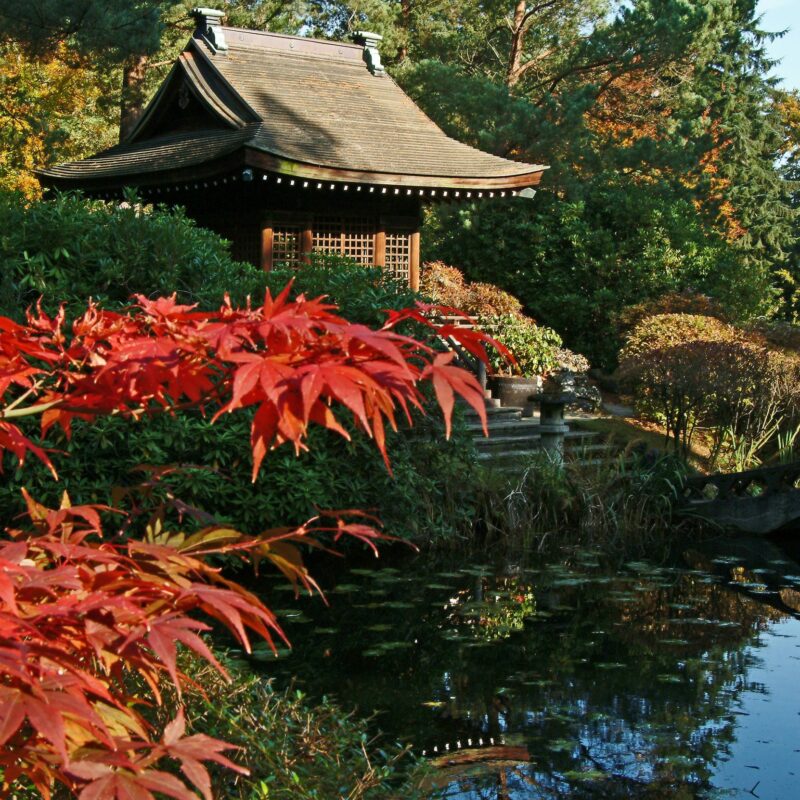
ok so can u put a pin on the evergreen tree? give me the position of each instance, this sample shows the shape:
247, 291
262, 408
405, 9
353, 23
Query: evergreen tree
661, 127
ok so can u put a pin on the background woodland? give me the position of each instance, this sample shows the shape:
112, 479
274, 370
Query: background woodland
672, 153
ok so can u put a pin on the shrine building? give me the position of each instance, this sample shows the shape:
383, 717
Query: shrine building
287, 145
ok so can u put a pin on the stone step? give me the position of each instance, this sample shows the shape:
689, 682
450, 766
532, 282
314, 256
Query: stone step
532, 437
511, 412
500, 424
525, 431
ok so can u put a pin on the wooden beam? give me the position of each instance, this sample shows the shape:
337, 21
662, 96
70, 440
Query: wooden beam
413, 267
306, 242
380, 246
267, 238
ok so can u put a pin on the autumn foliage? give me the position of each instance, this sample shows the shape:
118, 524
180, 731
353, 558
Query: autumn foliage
83, 616
694, 372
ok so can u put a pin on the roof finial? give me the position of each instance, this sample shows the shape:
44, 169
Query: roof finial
209, 26
370, 41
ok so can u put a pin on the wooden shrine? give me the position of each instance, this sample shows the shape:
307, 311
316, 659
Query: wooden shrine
287, 145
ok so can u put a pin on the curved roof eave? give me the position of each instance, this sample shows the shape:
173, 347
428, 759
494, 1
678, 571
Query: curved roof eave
270, 162
78, 176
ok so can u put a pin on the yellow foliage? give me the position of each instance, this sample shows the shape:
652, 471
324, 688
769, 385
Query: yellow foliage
789, 108
50, 111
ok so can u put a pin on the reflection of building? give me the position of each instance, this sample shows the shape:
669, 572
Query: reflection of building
287, 145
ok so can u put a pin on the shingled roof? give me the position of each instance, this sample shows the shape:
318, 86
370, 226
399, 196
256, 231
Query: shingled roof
292, 106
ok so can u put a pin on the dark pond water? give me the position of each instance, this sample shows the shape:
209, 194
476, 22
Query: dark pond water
571, 679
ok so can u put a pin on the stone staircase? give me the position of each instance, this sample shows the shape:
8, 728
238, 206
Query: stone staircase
514, 440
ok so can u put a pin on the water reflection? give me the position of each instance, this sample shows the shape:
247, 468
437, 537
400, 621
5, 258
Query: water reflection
572, 679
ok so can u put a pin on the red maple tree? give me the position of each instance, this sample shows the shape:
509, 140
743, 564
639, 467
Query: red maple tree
82, 614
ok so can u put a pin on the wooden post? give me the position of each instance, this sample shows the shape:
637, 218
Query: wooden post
267, 237
380, 246
306, 242
413, 267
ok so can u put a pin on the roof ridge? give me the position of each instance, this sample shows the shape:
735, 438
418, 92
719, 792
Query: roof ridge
278, 35
245, 38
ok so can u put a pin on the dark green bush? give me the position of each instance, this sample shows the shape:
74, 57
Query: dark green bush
362, 293
69, 249
576, 262
425, 497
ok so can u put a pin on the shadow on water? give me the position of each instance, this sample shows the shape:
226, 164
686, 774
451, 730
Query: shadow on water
571, 678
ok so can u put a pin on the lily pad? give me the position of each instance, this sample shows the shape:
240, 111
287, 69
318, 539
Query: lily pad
589, 775
560, 745
346, 588
582, 581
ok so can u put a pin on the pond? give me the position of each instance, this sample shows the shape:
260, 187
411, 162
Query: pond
570, 678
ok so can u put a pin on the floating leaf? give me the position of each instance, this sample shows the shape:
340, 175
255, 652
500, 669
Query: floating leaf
560, 745
589, 775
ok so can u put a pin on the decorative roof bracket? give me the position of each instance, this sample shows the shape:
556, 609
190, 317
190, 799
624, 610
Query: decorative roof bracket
369, 41
209, 26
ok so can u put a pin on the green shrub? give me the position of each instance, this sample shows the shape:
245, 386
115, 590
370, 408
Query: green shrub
362, 293
68, 249
535, 348
663, 362
753, 397
427, 497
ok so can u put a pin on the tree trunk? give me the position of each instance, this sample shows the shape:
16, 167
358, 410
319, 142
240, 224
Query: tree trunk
405, 15
517, 40
133, 94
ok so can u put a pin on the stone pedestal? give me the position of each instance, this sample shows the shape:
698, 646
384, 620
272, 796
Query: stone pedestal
552, 401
